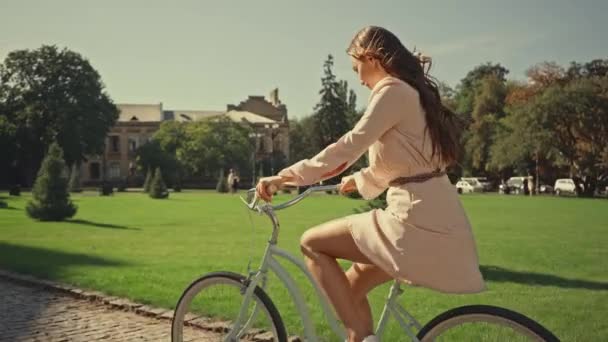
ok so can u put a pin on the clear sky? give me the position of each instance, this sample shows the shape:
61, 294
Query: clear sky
206, 54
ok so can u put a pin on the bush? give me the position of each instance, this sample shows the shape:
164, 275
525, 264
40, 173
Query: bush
222, 183
106, 189
148, 181
122, 185
15, 190
177, 185
3, 204
286, 191
74, 185
50, 197
158, 189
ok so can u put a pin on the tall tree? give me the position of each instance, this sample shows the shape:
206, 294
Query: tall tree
54, 95
331, 116
468, 87
488, 107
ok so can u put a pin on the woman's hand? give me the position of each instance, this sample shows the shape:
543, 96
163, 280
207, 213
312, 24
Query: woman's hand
348, 185
267, 186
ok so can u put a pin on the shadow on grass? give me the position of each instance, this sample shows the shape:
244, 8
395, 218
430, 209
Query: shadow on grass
499, 274
26, 303
8, 208
99, 225
44, 262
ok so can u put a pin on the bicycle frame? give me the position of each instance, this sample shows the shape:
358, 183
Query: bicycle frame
269, 262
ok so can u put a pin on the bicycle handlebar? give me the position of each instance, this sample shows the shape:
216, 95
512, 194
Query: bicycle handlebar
253, 205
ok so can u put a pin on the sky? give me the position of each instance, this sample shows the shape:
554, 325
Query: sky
203, 55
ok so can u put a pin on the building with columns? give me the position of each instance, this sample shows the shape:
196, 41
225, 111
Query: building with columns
137, 123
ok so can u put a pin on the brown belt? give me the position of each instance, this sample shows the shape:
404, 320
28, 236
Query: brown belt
419, 178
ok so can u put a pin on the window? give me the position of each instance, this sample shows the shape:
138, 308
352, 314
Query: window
133, 140
115, 170
94, 170
114, 143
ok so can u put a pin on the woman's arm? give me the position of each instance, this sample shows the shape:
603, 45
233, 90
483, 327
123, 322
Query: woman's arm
383, 112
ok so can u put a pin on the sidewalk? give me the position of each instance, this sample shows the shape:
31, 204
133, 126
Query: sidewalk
30, 312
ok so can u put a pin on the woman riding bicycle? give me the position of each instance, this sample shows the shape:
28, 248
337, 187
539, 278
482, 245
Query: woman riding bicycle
423, 237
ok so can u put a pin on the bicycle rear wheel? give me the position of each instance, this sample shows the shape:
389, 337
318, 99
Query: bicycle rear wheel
483, 323
212, 303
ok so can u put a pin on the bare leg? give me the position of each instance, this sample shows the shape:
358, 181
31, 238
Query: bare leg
321, 247
363, 278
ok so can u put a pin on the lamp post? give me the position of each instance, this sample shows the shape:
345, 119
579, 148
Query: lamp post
255, 136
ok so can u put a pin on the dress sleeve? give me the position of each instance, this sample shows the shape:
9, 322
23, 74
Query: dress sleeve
381, 115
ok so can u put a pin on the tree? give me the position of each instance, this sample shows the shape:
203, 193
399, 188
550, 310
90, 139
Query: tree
487, 109
74, 185
545, 74
348, 97
151, 155
448, 95
148, 181
171, 138
52, 95
301, 139
7, 149
594, 68
331, 117
158, 188
50, 197
467, 89
214, 144
578, 117
565, 123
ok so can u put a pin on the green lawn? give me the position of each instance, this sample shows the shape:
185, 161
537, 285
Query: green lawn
544, 257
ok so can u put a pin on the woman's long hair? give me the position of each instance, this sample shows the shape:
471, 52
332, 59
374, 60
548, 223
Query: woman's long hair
398, 61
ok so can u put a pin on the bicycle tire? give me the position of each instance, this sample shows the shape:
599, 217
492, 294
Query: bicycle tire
485, 313
231, 279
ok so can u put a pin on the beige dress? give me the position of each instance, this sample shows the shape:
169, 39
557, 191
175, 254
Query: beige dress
423, 237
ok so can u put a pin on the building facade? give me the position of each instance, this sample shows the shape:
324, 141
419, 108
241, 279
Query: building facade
137, 123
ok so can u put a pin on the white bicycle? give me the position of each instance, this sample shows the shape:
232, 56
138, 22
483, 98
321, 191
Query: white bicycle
236, 307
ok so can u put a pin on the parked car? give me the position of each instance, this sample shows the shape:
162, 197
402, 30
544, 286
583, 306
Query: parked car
464, 187
475, 183
514, 185
480, 183
564, 186
485, 182
545, 189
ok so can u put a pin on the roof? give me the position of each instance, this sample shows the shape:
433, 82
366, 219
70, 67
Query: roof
238, 116
140, 112
190, 115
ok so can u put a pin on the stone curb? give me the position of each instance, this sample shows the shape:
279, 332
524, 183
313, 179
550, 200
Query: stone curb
123, 304
92, 296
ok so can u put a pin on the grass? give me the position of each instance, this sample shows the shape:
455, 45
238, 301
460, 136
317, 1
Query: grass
542, 256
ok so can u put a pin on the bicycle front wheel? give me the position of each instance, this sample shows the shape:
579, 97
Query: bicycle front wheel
483, 323
211, 304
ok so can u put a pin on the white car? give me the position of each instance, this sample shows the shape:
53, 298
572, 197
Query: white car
464, 187
475, 182
564, 185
